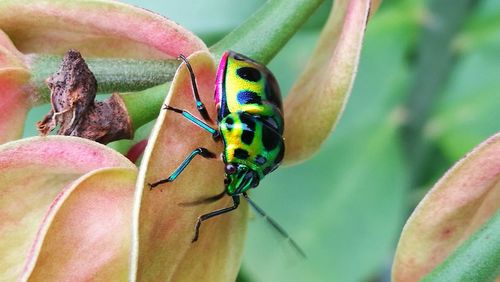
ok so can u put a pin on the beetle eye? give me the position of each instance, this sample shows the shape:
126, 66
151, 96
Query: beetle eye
226, 181
230, 169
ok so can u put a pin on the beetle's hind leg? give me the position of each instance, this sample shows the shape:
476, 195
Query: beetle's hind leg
236, 203
198, 151
199, 104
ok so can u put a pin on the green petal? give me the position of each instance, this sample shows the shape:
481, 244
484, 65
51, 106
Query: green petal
32, 173
462, 200
317, 100
162, 228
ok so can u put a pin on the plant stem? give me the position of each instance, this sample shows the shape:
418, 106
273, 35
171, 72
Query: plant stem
435, 61
263, 34
144, 106
112, 74
477, 259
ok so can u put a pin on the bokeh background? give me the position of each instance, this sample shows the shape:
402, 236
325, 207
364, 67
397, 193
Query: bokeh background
427, 92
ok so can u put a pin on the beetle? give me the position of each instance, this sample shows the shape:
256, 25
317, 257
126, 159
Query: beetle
250, 124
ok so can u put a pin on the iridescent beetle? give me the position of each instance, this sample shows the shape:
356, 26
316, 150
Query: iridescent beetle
250, 124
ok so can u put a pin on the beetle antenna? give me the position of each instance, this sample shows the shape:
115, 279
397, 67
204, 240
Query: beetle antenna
274, 224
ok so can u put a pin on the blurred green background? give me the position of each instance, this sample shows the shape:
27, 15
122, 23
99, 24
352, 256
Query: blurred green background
427, 91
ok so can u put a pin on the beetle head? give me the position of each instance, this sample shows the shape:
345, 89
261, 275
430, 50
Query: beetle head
239, 178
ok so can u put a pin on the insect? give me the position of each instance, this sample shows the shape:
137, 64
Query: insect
250, 125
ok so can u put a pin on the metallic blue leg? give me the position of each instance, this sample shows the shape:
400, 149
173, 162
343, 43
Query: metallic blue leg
198, 151
236, 203
194, 120
199, 105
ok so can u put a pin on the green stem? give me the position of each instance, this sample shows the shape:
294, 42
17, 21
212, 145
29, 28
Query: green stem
112, 74
477, 259
434, 64
263, 34
144, 106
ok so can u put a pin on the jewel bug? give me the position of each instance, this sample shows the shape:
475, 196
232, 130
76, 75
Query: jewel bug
250, 125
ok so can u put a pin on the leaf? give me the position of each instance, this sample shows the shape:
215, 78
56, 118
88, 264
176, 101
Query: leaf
15, 103
460, 202
99, 28
477, 259
10, 57
162, 229
85, 235
321, 92
32, 173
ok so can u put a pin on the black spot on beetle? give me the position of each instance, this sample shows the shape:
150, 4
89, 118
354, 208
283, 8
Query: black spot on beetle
273, 93
248, 97
247, 137
241, 154
249, 73
248, 128
270, 139
229, 123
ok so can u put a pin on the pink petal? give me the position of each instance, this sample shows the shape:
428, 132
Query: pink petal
317, 100
32, 173
462, 200
86, 233
96, 28
163, 230
14, 100
14, 103
10, 57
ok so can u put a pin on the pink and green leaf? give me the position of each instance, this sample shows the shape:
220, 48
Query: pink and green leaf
32, 173
163, 228
317, 99
477, 259
10, 57
100, 28
85, 235
456, 207
14, 101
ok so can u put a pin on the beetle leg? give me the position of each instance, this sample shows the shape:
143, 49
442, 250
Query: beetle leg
199, 104
194, 120
198, 151
236, 203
